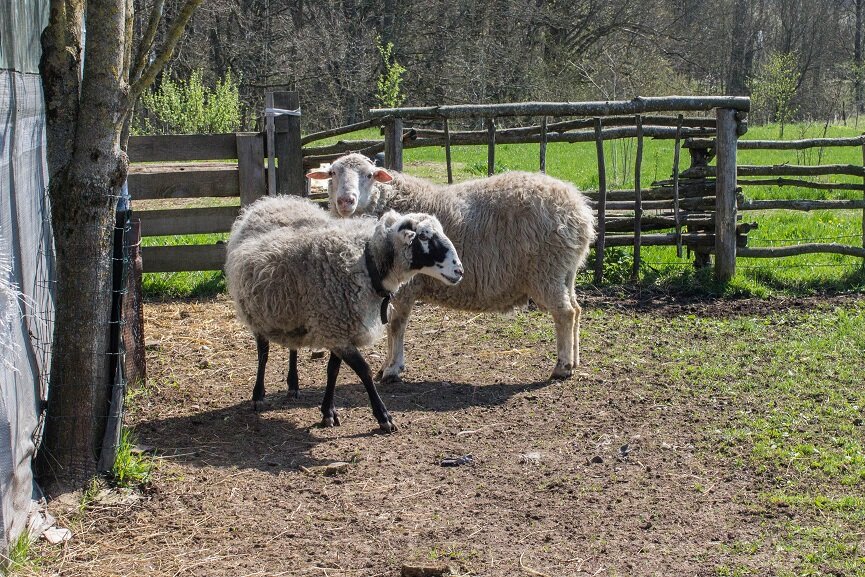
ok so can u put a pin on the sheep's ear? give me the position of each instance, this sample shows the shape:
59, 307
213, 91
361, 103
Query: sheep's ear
318, 175
406, 235
381, 175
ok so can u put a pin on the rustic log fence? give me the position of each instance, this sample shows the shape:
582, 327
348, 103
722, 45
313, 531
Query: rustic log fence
698, 208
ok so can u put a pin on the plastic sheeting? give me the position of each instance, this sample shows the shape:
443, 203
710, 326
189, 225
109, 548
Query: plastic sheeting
26, 258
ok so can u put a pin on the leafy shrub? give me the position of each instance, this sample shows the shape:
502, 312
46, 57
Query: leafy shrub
189, 107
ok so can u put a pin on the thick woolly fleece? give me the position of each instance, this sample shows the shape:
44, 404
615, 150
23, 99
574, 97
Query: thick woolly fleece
306, 282
521, 235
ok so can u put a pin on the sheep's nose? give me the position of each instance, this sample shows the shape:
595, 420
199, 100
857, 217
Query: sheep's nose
347, 202
459, 270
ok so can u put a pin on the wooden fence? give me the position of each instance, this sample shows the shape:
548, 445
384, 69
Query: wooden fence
698, 208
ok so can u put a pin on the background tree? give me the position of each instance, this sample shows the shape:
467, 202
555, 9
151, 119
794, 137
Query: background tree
86, 111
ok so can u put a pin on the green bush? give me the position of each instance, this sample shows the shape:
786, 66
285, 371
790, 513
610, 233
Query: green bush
189, 107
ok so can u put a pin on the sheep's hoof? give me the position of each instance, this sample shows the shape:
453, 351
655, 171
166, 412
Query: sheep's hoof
260, 405
562, 372
332, 421
390, 379
387, 426
293, 393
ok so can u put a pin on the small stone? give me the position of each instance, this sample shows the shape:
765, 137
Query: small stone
533, 458
336, 468
426, 570
56, 535
596, 459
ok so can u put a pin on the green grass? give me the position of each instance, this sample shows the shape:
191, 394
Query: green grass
131, 468
660, 268
20, 558
781, 395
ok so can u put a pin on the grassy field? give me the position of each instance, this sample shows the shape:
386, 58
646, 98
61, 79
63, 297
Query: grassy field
806, 274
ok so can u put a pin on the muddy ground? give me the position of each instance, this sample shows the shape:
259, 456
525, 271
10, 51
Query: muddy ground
605, 474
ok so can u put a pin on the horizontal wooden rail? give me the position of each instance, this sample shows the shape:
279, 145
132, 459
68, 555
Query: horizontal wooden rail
781, 144
183, 257
804, 205
782, 170
339, 131
797, 249
175, 147
608, 108
181, 221
802, 184
192, 181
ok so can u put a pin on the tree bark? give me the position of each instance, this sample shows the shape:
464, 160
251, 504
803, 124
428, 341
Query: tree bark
857, 57
85, 112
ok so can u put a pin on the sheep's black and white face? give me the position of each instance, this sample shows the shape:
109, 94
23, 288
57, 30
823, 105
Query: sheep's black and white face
432, 253
351, 180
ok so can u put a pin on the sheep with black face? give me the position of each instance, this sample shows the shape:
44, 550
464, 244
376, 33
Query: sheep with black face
328, 285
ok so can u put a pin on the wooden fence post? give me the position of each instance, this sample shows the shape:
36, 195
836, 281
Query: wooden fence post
393, 144
602, 202
250, 168
725, 195
491, 146
289, 176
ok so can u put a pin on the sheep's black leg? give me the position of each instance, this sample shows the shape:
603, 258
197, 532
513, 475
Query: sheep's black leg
328, 411
353, 359
262, 346
291, 379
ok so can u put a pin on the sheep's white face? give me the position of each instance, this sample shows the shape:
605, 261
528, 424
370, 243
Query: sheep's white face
351, 180
431, 252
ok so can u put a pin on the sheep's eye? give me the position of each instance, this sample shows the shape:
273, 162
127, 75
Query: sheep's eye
422, 236
369, 176
330, 173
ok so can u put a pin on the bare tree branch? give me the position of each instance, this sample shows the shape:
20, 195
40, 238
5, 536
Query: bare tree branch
147, 40
149, 74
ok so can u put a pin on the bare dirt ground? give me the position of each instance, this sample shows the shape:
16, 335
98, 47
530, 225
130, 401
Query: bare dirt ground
591, 476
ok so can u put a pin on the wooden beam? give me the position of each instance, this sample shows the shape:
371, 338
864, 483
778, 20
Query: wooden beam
725, 196
804, 205
187, 220
176, 147
636, 106
491, 146
190, 182
290, 178
600, 240
797, 249
250, 167
393, 144
183, 257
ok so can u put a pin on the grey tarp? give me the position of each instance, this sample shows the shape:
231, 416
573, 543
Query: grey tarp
26, 257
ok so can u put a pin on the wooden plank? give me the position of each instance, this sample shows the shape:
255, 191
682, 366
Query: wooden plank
182, 147
725, 197
792, 182
187, 220
192, 182
250, 166
183, 257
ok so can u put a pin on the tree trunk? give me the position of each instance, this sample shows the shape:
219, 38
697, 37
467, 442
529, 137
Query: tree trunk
86, 172
736, 71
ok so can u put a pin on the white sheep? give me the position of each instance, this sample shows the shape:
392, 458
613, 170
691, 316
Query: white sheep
523, 235
267, 214
327, 284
